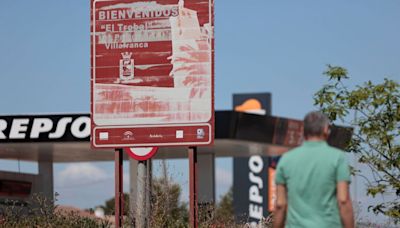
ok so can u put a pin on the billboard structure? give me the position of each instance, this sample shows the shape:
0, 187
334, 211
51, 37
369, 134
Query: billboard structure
152, 73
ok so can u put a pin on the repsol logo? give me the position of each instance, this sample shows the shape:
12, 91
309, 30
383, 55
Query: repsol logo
256, 199
44, 128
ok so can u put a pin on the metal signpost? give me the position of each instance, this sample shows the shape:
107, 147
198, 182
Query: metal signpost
193, 206
152, 77
119, 189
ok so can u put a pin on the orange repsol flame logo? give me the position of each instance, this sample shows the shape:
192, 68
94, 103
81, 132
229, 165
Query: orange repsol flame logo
251, 106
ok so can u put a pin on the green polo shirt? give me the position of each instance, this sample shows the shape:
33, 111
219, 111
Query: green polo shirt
310, 174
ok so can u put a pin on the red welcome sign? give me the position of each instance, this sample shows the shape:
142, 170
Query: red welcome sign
152, 80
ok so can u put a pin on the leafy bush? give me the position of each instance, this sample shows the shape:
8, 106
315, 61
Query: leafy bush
41, 212
373, 110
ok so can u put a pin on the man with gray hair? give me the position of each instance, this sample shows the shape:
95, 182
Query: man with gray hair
312, 182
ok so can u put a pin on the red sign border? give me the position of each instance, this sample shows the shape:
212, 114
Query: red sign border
211, 122
132, 154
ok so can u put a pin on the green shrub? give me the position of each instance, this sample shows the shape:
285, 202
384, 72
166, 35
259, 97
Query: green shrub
41, 212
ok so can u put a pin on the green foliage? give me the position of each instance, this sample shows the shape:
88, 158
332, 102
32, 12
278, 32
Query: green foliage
224, 210
222, 215
373, 110
41, 212
109, 205
167, 210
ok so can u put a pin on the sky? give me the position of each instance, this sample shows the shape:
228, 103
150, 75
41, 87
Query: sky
280, 47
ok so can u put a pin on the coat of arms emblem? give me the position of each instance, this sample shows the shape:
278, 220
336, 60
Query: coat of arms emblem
126, 67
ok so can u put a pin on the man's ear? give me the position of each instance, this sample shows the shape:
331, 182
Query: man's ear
326, 131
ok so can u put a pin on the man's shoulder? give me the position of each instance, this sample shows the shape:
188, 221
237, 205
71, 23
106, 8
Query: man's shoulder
294, 151
301, 150
335, 151
290, 154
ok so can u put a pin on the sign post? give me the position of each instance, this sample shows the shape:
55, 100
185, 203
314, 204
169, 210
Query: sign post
140, 217
193, 189
119, 194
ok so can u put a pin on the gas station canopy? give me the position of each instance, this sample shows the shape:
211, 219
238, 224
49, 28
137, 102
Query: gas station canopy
66, 137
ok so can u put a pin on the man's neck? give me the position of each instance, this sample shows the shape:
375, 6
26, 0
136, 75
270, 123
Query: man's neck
315, 139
